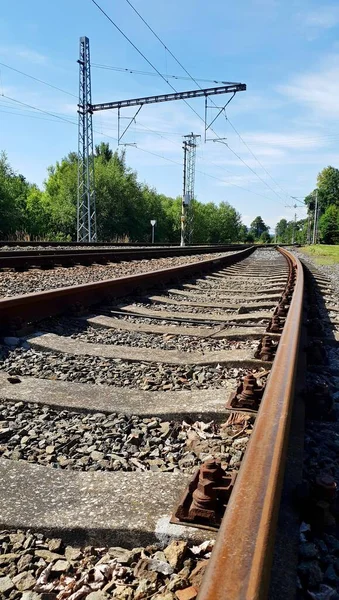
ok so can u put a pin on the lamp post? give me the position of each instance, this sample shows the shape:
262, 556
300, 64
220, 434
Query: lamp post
153, 223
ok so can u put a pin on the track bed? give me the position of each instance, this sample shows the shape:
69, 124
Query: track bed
108, 414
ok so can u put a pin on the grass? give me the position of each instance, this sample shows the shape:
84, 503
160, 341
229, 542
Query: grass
322, 254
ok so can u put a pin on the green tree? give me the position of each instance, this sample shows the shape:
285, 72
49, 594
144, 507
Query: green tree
243, 233
329, 225
281, 231
37, 212
258, 227
265, 237
124, 205
13, 192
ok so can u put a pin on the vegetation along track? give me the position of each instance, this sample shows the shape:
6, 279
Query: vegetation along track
125, 433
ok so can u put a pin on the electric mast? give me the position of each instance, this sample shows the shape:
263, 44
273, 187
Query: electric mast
187, 207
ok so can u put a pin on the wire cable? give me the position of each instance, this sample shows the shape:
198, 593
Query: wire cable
137, 72
196, 82
116, 140
39, 80
38, 109
142, 54
254, 156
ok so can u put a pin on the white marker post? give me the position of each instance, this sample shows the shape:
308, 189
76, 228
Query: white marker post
153, 223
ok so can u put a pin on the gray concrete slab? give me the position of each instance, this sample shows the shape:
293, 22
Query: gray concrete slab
260, 291
51, 341
230, 296
168, 405
210, 304
246, 276
121, 509
215, 332
187, 316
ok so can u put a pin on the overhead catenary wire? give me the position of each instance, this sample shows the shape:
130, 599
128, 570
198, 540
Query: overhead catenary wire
168, 83
142, 54
196, 82
38, 109
35, 108
39, 80
149, 73
254, 156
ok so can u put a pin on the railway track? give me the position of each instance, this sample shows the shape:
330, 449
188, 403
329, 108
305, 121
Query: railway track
129, 425
69, 256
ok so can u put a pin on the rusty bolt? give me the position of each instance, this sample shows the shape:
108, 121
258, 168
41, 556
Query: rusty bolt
204, 497
275, 325
267, 348
281, 310
285, 298
249, 390
325, 487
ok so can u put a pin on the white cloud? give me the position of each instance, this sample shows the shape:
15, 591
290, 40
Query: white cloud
27, 54
280, 140
325, 18
318, 90
32, 56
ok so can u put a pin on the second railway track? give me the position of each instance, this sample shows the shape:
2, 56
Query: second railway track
22, 259
128, 430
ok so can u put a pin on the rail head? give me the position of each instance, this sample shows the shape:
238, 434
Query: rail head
240, 565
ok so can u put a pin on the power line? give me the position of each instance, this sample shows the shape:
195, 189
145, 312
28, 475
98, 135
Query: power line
137, 147
196, 82
142, 54
149, 73
18, 114
254, 156
252, 170
209, 161
39, 80
38, 109
197, 170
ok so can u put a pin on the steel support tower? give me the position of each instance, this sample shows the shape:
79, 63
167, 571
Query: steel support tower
187, 207
86, 212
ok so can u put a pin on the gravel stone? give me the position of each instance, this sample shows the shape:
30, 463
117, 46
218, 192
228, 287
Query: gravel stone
77, 330
97, 442
105, 371
14, 283
100, 573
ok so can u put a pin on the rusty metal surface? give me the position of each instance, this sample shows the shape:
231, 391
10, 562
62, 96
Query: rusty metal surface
241, 561
17, 311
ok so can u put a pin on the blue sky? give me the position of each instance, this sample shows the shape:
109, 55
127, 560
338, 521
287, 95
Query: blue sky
286, 52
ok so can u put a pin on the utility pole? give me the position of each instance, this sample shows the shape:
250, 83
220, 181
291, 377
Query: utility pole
294, 226
187, 209
86, 211
315, 223
308, 239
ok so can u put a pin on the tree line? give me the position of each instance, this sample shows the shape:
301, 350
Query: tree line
327, 191
124, 207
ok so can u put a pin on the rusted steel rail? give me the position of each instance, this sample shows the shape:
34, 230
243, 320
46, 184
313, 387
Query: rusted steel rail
12, 259
240, 565
17, 311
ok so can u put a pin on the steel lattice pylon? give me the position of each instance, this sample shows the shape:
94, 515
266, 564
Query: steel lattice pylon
86, 212
187, 212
